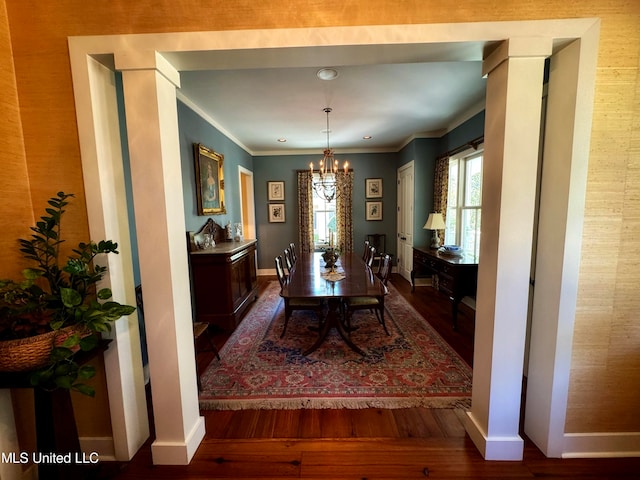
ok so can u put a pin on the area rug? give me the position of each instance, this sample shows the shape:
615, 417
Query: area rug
411, 367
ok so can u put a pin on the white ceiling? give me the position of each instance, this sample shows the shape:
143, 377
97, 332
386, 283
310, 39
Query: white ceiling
393, 94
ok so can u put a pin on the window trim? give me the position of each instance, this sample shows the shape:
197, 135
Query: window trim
460, 206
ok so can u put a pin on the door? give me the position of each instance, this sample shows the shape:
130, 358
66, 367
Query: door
247, 204
405, 220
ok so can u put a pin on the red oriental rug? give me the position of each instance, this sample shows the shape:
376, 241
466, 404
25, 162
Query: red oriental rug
412, 367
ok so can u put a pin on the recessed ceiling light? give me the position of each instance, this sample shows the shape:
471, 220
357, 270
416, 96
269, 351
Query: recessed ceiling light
282, 140
367, 137
327, 73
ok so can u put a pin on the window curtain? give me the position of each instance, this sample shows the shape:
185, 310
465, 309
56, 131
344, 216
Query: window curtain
440, 190
344, 211
305, 211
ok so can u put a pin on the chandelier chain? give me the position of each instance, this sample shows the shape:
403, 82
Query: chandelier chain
326, 185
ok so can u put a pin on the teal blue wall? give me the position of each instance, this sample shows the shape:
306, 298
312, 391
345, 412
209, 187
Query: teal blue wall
423, 153
469, 130
274, 237
194, 129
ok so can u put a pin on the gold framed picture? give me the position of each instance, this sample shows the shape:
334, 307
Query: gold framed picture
209, 181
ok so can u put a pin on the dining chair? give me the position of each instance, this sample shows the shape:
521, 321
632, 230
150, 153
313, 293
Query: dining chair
365, 253
370, 256
379, 241
288, 260
292, 249
373, 303
295, 303
384, 269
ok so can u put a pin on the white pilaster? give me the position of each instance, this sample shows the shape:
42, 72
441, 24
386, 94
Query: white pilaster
152, 120
104, 184
564, 181
514, 92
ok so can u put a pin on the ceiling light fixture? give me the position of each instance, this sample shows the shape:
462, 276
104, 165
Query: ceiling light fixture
325, 184
327, 74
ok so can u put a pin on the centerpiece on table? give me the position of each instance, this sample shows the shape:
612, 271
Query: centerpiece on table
56, 310
331, 254
330, 257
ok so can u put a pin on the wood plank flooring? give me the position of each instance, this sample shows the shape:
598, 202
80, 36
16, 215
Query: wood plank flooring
359, 444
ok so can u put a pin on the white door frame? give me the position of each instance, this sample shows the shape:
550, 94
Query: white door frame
405, 204
570, 148
247, 203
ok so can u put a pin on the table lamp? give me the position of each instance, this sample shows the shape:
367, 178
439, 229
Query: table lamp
435, 222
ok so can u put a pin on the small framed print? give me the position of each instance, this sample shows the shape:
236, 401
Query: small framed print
373, 187
374, 210
276, 213
275, 191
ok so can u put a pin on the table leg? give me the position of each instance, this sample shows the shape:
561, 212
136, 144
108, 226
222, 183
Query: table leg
334, 319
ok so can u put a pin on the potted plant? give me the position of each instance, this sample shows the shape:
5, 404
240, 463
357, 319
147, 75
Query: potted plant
56, 311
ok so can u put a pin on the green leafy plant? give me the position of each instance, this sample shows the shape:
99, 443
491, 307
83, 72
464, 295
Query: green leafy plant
53, 296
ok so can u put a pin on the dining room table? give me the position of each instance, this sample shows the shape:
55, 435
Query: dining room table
349, 277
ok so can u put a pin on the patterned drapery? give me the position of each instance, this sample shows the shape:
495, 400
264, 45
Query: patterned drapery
305, 211
440, 190
344, 210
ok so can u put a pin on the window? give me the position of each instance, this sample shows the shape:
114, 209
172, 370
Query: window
324, 218
464, 201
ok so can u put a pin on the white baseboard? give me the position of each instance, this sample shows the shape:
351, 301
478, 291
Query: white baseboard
103, 446
178, 453
601, 445
494, 448
423, 282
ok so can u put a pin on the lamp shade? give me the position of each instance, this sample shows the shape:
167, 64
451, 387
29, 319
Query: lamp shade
434, 222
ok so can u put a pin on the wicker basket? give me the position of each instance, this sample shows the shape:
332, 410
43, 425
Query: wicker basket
24, 354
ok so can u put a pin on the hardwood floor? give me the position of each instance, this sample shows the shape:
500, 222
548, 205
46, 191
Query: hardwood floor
359, 444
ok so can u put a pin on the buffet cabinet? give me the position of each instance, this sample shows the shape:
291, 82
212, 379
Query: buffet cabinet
457, 276
224, 282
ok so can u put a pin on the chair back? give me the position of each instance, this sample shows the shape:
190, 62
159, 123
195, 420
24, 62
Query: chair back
292, 249
379, 241
282, 277
370, 257
380, 263
288, 260
365, 253
385, 268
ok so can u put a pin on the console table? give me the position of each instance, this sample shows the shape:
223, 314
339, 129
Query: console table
224, 281
457, 275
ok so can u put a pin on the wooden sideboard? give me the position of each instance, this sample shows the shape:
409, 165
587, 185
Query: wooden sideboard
457, 275
224, 281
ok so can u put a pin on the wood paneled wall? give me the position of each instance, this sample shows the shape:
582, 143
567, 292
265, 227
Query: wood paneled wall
606, 366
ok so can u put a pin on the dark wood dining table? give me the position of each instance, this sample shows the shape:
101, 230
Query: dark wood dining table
308, 280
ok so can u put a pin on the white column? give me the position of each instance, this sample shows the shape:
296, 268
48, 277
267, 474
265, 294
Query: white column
152, 121
513, 105
564, 180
